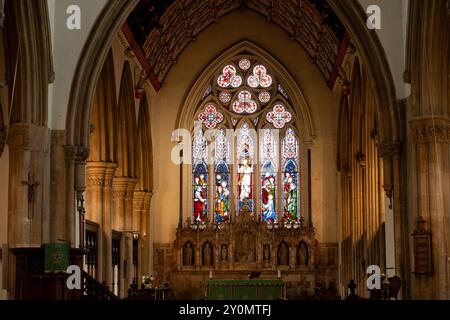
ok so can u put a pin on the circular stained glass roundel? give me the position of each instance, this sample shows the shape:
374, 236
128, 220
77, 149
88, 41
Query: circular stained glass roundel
264, 97
244, 64
225, 97
245, 104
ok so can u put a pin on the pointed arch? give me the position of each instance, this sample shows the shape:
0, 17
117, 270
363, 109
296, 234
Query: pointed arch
145, 153
126, 152
29, 45
344, 136
190, 104
104, 120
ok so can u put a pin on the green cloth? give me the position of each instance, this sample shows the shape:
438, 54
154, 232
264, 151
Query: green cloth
245, 289
56, 257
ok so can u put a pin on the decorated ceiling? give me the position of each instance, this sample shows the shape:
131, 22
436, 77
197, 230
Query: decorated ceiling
159, 30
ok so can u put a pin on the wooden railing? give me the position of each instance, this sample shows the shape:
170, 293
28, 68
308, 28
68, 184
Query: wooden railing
94, 290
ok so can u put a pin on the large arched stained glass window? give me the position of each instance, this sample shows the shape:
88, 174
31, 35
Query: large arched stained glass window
255, 168
290, 178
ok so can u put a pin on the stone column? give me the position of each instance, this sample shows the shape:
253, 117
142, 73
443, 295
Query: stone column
107, 222
28, 205
98, 209
432, 141
123, 189
129, 226
142, 223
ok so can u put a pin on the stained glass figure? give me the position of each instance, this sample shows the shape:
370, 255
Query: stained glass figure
290, 177
245, 170
200, 193
259, 78
222, 193
279, 116
268, 193
211, 117
229, 78
245, 103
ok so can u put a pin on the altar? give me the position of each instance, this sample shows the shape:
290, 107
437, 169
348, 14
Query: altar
245, 289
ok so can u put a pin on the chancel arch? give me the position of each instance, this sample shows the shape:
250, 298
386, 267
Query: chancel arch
305, 131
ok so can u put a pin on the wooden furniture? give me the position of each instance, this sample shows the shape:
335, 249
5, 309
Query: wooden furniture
244, 289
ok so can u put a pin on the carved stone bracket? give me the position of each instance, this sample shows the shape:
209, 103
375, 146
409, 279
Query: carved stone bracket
77, 154
431, 130
389, 150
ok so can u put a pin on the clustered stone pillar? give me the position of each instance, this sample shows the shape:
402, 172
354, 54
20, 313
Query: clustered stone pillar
141, 218
432, 140
123, 190
98, 210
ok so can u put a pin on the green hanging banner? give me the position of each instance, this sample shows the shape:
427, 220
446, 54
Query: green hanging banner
56, 257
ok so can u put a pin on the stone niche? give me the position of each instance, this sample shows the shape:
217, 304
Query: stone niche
245, 247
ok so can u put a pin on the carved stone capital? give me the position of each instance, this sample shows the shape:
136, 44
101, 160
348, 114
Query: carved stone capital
431, 130
389, 150
100, 174
123, 188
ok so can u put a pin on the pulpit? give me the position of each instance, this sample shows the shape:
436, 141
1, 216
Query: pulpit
245, 289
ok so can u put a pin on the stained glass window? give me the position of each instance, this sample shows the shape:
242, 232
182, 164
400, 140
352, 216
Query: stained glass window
268, 157
222, 178
290, 177
256, 169
264, 97
229, 78
259, 78
245, 170
199, 179
245, 103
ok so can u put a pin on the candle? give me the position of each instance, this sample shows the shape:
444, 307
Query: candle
210, 274
279, 274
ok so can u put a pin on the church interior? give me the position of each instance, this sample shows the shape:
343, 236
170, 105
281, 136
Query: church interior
176, 149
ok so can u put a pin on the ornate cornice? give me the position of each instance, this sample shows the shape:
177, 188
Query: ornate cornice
431, 130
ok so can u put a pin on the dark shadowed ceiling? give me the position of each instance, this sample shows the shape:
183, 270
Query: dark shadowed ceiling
159, 30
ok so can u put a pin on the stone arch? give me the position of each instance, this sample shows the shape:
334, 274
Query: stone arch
114, 15
190, 102
126, 150
29, 48
103, 136
145, 153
